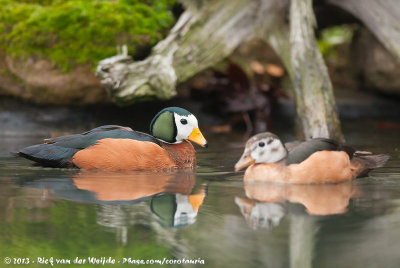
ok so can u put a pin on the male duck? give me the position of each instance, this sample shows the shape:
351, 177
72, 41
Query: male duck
318, 160
115, 148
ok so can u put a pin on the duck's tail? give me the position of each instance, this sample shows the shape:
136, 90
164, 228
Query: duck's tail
364, 163
49, 155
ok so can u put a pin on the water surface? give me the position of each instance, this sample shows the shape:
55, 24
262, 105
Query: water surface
208, 215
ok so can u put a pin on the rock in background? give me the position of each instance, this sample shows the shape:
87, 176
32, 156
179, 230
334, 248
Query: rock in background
40, 81
373, 66
49, 49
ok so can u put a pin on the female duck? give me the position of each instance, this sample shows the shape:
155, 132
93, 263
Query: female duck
315, 161
121, 148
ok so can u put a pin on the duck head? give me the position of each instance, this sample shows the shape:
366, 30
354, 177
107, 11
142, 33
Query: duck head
174, 125
262, 148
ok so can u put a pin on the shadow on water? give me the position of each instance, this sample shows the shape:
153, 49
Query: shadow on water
207, 214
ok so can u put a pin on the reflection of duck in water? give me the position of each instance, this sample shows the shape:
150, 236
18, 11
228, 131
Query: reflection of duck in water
178, 210
315, 161
121, 148
261, 214
121, 195
170, 192
318, 199
123, 186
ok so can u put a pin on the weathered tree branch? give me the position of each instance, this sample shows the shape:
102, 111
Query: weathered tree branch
297, 47
313, 88
208, 31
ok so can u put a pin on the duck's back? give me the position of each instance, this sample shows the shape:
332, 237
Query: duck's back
303, 150
58, 152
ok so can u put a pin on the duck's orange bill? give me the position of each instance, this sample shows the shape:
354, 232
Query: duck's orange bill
244, 161
197, 137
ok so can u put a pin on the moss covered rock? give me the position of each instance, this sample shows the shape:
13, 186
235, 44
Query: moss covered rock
71, 35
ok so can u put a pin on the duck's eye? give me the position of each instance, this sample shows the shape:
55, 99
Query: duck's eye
261, 144
183, 121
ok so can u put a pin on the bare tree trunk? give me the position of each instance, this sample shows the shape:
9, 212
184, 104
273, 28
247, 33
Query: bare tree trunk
313, 88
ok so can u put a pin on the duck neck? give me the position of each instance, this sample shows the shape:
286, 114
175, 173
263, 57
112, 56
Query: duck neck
282, 162
182, 153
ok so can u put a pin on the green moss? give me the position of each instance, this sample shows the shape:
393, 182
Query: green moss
333, 36
81, 31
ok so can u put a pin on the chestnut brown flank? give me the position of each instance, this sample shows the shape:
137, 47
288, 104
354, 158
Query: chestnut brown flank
128, 154
320, 167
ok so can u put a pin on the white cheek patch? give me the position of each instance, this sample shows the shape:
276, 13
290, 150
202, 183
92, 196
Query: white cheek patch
269, 153
184, 130
260, 155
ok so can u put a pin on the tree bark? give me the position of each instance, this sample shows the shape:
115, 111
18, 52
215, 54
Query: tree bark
313, 90
208, 31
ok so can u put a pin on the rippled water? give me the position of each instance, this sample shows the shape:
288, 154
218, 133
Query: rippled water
206, 216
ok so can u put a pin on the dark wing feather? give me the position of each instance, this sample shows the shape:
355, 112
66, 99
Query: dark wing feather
107, 128
302, 151
102, 130
95, 130
49, 155
58, 152
81, 141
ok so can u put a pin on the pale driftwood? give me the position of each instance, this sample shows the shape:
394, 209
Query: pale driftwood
208, 31
297, 47
315, 102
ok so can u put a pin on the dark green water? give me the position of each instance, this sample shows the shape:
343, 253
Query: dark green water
205, 216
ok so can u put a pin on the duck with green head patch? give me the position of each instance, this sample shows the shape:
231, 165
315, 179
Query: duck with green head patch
114, 147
